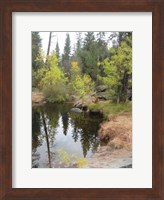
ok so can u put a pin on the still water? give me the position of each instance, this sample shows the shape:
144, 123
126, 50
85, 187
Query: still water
55, 129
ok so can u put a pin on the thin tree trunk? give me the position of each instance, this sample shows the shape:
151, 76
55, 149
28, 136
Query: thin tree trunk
49, 46
47, 140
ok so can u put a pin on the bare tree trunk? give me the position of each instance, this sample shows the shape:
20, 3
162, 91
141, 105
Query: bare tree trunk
118, 99
47, 140
49, 46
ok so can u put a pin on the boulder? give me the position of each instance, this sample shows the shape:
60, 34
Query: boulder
101, 88
103, 96
76, 110
78, 105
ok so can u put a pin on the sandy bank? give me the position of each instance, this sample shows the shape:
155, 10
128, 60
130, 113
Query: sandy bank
37, 97
118, 152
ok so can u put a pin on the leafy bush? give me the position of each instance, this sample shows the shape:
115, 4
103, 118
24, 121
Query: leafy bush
109, 108
72, 160
52, 80
118, 71
82, 85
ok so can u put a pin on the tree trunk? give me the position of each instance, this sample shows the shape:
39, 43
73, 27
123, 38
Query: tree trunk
49, 46
47, 140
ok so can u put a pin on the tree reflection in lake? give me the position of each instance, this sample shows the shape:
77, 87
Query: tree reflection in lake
54, 127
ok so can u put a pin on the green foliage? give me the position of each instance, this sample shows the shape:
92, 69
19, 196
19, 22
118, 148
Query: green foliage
118, 71
92, 51
82, 85
80, 162
92, 64
66, 54
88, 55
110, 108
52, 80
79, 42
37, 56
57, 50
70, 160
63, 156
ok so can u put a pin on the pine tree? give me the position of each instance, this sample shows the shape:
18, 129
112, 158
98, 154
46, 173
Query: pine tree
88, 56
66, 55
37, 57
36, 51
89, 40
79, 41
57, 50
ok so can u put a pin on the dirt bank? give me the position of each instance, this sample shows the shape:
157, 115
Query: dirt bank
117, 133
37, 97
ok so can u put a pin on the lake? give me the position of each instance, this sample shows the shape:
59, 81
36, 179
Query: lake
59, 136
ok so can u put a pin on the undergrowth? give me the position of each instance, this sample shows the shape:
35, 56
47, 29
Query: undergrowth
109, 108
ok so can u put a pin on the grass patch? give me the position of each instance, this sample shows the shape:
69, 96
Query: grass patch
109, 108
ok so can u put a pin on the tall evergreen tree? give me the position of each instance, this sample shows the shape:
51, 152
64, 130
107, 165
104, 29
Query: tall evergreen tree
67, 53
57, 50
92, 52
89, 40
118, 37
79, 41
102, 46
37, 57
102, 50
88, 55
36, 51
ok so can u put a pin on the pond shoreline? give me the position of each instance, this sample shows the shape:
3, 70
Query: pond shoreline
116, 132
118, 151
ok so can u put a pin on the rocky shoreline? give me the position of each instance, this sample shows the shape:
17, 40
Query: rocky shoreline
107, 158
118, 152
116, 132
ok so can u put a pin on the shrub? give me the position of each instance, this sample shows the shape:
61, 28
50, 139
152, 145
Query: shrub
52, 80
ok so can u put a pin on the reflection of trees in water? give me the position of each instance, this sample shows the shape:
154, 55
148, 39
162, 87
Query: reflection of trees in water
75, 133
50, 120
86, 128
45, 121
65, 122
36, 139
54, 112
35, 159
47, 138
36, 124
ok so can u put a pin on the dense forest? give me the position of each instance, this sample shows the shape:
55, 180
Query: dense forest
96, 62
82, 93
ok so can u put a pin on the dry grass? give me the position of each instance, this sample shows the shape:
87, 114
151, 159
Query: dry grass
117, 132
37, 97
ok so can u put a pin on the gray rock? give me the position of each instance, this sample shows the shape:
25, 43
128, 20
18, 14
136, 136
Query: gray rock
81, 106
76, 110
101, 88
103, 95
127, 166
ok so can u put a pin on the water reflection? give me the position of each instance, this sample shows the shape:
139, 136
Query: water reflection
54, 127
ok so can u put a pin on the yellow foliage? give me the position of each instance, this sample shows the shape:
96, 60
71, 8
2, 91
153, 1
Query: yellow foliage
52, 80
75, 68
81, 162
69, 160
63, 156
82, 84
